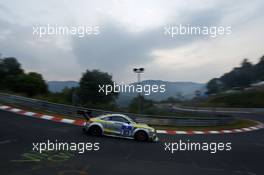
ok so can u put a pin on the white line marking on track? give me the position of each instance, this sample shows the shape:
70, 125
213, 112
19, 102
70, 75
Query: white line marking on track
161, 132
181, 132
15, 110
29, 113
47, 117
237, 130
246, 129
198, 132
214, 132
6, 141
4, 107
65, 120
253, 127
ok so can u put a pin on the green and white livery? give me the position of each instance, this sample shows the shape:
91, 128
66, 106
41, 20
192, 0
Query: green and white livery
119, 125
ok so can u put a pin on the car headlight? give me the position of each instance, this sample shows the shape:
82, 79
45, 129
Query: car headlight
152, 130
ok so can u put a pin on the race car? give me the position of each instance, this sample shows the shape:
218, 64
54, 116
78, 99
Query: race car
119, 125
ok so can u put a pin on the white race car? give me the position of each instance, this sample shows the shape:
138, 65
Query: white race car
119, 125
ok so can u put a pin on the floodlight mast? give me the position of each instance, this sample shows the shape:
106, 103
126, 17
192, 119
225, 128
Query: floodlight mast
139, 71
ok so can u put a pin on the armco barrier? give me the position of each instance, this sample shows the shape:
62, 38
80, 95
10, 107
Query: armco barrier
69, 110
218, 110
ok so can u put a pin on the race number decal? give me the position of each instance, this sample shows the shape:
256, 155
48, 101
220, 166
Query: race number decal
126, 130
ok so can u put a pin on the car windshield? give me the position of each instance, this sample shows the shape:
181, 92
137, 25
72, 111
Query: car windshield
130, 120
118, 118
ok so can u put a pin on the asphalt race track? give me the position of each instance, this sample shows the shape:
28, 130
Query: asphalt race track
120, 156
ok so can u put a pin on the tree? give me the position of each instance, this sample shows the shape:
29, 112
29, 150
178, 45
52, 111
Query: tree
13, 78
9, 66
134, 104
239, 77
89, 88
259, 70
214, 86
31, 84
246, 64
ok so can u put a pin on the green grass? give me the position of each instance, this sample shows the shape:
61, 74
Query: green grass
159, 112
244, 99
235, 125
239, 123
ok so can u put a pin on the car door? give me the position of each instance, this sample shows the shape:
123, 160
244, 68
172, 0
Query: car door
121, 126
108, 125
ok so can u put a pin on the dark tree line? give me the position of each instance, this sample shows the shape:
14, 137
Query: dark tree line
88, 92
13, 78
239, 77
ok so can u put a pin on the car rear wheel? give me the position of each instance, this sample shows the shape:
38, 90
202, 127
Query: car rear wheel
95, 131
141, 136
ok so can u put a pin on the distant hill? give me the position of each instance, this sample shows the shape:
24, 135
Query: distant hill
182, 90
58, 86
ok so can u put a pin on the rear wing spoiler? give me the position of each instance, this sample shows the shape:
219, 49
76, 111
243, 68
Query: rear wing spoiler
86, 114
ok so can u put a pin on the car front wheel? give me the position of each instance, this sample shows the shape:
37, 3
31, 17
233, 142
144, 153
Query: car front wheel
141, 136
95, 131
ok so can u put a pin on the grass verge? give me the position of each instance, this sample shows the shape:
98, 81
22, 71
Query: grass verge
237, 124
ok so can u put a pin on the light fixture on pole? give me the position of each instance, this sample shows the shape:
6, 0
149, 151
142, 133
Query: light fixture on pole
139, 71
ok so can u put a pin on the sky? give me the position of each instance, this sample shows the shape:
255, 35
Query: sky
132, 35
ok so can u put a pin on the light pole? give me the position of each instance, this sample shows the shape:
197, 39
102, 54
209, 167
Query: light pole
139, 71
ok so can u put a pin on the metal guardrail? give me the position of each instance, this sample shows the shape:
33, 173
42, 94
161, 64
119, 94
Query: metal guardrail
72, 111
218, 109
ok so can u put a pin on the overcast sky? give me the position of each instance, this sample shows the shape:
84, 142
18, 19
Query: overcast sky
131, 35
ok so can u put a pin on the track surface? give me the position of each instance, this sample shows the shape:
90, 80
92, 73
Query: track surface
120, 156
